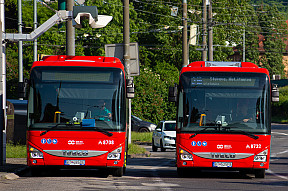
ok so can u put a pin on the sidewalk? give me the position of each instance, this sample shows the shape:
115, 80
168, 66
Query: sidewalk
12, 166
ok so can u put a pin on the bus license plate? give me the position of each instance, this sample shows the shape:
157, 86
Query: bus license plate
222, 164
74, 162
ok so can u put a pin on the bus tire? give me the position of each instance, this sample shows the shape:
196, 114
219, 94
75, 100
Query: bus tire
118, 172
260, 173
36, 172
181, 172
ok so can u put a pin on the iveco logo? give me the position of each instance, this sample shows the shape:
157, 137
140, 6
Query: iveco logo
75, 153
223, 155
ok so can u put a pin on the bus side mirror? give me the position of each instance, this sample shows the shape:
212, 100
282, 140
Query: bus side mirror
172, 96
22, 89
275, 93
130, 93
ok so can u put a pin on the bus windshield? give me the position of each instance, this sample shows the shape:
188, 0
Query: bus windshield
76, 98
224, 103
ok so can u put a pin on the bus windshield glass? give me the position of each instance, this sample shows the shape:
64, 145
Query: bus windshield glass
77, 98
224, 102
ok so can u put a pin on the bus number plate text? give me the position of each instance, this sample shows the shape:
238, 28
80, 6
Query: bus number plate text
222, 164
74, 162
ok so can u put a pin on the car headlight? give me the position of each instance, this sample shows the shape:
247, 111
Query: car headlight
261, 157
35, 153
184, 155
115, 155
168, 137
153, 126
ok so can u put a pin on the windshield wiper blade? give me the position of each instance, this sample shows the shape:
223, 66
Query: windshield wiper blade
245, 133
53, 127
203, 130
103, 131
56, 126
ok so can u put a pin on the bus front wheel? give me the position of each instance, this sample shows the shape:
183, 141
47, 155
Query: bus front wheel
181, 172
260, 173
118, 172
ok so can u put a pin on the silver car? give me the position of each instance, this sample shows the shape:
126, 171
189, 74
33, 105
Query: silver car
164, 136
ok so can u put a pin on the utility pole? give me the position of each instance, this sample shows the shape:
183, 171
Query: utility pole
126, 56
204, 41
210, 32
35, 26
20, 44
184, 34
70, 31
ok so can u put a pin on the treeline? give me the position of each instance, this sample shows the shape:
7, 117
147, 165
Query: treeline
159, 35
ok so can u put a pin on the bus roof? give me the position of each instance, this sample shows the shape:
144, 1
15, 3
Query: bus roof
81, 61
202, 66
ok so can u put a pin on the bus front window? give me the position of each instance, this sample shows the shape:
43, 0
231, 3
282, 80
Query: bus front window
223, 105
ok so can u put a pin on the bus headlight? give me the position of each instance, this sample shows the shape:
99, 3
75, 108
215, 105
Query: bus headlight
115, 155
35, 153
261, 157
184, 155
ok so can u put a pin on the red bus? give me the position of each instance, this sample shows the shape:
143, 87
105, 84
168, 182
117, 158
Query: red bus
77, 114
223, 117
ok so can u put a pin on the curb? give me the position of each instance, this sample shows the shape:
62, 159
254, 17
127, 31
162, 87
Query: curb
12, 175
147, 154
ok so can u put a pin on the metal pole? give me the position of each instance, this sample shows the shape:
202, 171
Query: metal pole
2, 88
35, 27
244, 46
210, 33
1, 95
20, 44
204, 41
70, 31
126, 39
184, 34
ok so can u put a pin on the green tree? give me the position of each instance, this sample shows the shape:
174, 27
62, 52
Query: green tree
273, 29
151, 98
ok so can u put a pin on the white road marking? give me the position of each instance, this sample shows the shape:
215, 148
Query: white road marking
279, 133
275, 154
280, 176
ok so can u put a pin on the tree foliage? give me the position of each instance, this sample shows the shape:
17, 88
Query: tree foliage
273, 29
159, 35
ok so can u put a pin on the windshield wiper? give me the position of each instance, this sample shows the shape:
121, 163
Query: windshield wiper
203, 130
103, 131
56, 126
245, 133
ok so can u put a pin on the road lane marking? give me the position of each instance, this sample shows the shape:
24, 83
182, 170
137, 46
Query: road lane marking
278, 175
273, 132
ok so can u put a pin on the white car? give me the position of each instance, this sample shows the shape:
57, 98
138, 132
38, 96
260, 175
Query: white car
164, 136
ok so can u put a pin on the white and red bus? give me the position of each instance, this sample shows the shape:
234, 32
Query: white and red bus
223, 117
77, 114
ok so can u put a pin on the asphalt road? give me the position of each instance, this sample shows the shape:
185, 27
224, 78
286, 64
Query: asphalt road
158, 172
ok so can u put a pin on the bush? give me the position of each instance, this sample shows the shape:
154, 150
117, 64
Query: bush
280, 109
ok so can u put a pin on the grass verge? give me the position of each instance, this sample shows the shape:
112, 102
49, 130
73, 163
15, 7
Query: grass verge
16, 151
141, 137
135, 149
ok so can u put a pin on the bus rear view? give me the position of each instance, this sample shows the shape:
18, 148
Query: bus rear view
223, 117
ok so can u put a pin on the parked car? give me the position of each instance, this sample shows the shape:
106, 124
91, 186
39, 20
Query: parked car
139, 125
164, 136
